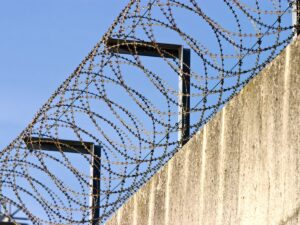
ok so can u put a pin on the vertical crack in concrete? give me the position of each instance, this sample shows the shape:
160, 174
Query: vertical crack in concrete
202, 176
219, 219
167, 198
151, 202
285, 120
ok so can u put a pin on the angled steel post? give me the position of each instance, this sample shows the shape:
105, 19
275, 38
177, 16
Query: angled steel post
57, 145
96, 173
296, 17
142, 48
184, 99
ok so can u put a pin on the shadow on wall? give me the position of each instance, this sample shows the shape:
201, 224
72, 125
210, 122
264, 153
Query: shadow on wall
292, 219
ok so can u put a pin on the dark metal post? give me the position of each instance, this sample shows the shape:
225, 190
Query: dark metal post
57, 145
129, 47
185, 97
296, 17
96, 173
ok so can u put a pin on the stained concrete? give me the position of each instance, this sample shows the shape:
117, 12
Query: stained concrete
242, 168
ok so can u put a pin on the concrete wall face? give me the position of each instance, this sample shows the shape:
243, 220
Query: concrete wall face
242, 168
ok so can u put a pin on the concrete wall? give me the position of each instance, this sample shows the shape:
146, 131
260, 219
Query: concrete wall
242, 168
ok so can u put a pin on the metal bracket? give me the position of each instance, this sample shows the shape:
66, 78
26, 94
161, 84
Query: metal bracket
296, 17
142, 48
60, 145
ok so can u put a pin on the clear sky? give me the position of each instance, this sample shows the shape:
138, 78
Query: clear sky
41, 43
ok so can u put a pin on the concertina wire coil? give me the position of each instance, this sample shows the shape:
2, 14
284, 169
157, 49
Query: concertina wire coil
128, 104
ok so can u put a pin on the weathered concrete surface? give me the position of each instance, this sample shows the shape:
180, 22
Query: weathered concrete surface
242, 168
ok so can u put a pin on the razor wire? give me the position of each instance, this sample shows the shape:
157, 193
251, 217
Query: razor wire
128, 104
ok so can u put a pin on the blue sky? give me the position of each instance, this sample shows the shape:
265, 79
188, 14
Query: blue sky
41, 43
